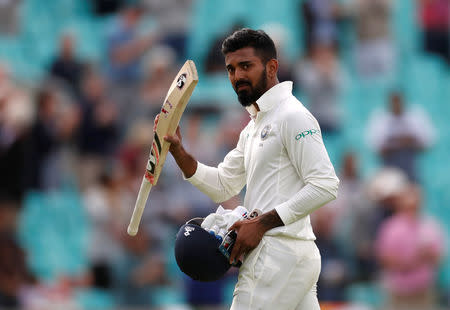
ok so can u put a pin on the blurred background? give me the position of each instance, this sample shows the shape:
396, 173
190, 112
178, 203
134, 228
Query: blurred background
80, 85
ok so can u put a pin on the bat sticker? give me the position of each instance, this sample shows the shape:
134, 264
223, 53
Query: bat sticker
153, 159
165, 110
181, 80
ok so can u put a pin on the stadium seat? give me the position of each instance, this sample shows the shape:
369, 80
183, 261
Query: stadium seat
95, 299
53, 229
366, 294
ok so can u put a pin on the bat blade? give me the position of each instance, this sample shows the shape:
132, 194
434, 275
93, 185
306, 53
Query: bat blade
173, 107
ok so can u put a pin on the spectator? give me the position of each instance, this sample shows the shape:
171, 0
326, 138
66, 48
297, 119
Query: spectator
66, 66
125, 46
375, 54
14, 274
98, 133
54, 126
103, 204
142, 267
9, 16
400, 134
353, 221
321, 78
383, 189
435, 22
335, 272
409, 247
125, 50
104, 7
16, 117
321, 22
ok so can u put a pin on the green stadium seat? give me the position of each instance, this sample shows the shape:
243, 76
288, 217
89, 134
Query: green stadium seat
164, 296
95, 299
366, 294
53, 230
405, 25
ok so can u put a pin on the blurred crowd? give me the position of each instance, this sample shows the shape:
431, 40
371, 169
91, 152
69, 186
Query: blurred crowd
74, 144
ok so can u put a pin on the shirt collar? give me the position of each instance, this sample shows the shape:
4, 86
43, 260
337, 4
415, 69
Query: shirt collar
270, 98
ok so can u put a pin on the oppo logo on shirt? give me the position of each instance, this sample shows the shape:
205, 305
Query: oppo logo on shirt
305, 133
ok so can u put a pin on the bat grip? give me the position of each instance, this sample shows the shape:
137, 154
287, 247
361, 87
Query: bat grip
139, 207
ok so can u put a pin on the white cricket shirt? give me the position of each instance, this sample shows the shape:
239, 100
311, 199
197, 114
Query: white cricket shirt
281, 158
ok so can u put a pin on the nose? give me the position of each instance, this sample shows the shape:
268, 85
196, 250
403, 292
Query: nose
239, 74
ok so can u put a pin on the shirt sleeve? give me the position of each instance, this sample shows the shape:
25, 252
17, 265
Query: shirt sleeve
225, 181
303, 141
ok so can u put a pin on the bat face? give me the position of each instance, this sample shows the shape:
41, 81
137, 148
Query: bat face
169, 117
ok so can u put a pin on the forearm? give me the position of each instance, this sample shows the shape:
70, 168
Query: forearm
186, 162
214, 183
308, 199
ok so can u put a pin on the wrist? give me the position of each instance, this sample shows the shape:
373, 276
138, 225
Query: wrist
178, 151
269, 220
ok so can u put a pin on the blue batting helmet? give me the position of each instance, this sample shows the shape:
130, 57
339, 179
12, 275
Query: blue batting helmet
201, 255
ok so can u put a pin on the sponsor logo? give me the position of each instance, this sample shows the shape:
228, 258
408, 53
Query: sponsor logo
181, 80
265, 132
305, 133
188, 230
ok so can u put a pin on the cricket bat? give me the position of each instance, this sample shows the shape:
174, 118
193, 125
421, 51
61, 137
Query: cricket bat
173, 107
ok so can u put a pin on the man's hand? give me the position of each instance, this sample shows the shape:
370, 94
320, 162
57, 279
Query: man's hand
176, 146
250, 233
174, 140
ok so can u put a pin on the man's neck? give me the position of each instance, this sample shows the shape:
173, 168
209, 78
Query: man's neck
272, 83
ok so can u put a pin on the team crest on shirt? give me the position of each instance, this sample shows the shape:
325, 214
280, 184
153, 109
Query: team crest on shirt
265, 132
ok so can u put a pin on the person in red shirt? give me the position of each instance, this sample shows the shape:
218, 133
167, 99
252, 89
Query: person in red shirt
435, 22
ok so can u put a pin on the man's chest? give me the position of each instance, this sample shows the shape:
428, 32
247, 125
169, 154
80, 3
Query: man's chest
263, 147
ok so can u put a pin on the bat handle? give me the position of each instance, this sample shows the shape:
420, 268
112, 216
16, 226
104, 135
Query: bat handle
139, 207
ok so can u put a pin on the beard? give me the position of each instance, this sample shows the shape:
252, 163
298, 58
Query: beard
247, 96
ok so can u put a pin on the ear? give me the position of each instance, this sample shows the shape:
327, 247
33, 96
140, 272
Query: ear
272, 68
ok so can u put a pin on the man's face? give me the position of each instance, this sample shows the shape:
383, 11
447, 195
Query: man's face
247, 75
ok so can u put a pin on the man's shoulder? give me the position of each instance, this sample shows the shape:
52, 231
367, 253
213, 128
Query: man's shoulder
293, 111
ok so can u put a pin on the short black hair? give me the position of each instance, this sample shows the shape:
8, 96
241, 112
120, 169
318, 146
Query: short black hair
246, 37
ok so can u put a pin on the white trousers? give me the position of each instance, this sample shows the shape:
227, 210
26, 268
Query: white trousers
280, 273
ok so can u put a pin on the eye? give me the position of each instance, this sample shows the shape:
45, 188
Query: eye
230, 70
245, 66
